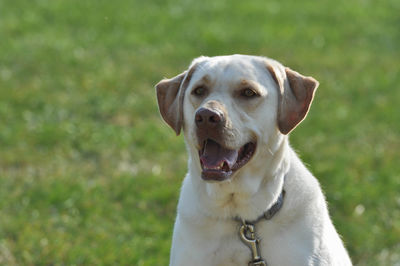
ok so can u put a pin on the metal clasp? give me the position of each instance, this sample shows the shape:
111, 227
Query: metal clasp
248, 236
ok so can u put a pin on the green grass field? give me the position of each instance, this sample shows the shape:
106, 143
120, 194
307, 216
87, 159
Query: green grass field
89, 173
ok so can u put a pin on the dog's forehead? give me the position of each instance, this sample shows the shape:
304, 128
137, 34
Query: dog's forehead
229, 69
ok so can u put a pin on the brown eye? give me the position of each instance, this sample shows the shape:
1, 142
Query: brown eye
248, 93
199, 91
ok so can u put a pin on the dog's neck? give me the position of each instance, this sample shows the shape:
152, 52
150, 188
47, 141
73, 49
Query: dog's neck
252, 191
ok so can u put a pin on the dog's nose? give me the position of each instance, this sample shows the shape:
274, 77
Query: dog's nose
208, 117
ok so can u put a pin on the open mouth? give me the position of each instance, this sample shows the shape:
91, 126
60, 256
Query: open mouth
219, 163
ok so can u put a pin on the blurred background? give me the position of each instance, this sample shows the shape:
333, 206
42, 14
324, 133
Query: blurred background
90, 174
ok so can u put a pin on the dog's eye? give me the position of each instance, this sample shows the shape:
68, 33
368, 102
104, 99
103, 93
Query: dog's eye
248, 93
199, 91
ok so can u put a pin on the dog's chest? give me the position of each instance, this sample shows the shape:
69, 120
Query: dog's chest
229, 251
223, 247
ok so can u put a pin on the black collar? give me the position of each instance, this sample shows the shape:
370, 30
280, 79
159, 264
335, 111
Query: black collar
272, 211
267, 215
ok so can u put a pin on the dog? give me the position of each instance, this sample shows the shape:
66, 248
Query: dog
247, 199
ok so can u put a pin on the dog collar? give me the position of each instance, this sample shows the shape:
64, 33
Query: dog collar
247, 231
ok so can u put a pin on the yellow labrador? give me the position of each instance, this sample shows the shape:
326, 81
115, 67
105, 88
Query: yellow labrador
247, 199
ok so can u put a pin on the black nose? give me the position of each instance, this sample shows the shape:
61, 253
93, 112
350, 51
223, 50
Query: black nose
208, 117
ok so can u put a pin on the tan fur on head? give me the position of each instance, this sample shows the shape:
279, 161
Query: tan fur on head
170, 93
169, 102
296, 95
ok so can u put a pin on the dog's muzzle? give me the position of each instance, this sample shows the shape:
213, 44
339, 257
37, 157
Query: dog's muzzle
217, 161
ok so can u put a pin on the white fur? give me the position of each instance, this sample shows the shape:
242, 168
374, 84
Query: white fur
205, 231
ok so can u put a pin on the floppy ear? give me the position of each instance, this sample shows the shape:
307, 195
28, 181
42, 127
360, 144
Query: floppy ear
170, 101
296, 95
170, 94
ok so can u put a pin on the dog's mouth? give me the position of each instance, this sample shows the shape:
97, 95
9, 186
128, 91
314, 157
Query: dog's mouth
219, 163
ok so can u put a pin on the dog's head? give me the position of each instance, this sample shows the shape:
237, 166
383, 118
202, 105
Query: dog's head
231, 107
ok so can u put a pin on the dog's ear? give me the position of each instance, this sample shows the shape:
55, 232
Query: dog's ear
170, 102
295, 97
170, 94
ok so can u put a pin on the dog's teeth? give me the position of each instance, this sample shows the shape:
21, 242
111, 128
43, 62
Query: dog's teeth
216, 167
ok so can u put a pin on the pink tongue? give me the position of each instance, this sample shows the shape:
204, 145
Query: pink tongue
214, 154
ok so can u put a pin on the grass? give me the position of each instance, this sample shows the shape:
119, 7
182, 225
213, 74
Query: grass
90, 175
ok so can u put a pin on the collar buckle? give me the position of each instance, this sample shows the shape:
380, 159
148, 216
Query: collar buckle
248, 236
